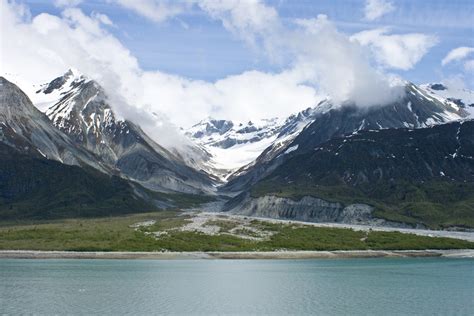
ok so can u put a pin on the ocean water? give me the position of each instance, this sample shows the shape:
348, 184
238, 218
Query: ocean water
239, 287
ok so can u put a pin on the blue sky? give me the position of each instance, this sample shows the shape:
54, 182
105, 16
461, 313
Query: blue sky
196, 46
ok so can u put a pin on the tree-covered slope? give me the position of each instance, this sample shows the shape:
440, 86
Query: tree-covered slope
37, 188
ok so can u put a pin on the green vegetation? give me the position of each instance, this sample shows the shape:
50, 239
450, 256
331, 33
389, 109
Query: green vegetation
393, 241
121, 234
436, 204
92, 234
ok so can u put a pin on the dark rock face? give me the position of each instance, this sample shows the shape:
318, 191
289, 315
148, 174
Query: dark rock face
37, 188
437, 86
457, 101
57, 83
369, 157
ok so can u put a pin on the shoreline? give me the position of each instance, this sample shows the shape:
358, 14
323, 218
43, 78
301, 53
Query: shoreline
337, 254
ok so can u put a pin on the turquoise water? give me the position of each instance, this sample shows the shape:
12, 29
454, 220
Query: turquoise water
275, 287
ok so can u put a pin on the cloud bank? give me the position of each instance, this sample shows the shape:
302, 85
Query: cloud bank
339, 65
320, 60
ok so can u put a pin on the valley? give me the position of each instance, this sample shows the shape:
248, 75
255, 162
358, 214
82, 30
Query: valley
171, 231
403, 165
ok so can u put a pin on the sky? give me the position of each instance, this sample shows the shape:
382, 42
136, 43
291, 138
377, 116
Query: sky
177, 62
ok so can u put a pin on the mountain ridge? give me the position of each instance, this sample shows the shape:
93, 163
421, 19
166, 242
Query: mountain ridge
415, 110
320, 184
83, 112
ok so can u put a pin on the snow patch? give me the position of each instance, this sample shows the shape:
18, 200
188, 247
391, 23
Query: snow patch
292, 148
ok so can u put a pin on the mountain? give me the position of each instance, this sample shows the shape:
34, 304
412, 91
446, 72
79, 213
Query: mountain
408, 163
44, 174
80, 108
233, 145
26, 129
422, 177
33, 187
417, 109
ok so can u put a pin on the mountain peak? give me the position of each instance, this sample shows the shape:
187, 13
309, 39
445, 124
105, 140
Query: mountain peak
82, 111
25, 128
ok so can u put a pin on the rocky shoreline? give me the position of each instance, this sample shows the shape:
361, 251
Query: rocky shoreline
346, 254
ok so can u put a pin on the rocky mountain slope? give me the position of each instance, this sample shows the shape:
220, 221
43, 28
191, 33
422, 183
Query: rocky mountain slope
416, 109
79, 107
44, 174
26, 129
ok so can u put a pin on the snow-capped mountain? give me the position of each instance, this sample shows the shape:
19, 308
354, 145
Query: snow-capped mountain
25, 128
239, 146
45, 174
234, 145
79, 107
417, 109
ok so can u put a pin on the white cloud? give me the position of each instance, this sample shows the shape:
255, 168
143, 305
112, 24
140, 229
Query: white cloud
340, 68
339, 65
155, 10
251, 20
248, 19
375, 9
320, 58
399, 51
67, 3
457, 54
260, 25
46, 46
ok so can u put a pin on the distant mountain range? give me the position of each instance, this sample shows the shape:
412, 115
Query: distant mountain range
233, 145
405, 163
